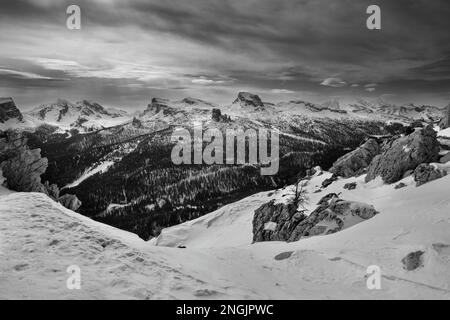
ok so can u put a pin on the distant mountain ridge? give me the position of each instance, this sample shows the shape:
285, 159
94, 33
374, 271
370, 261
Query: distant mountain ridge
88, 115
83, 114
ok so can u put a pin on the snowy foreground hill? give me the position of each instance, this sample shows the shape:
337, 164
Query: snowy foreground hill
40, 239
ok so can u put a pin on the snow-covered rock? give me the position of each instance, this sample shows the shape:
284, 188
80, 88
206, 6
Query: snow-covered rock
403, 154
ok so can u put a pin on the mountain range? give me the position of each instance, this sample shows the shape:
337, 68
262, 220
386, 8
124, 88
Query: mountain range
87, 115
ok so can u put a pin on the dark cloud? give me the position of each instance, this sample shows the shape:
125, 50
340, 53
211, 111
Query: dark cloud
280, 46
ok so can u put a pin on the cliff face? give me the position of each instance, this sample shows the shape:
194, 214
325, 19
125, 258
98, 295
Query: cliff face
8, 110
21, 166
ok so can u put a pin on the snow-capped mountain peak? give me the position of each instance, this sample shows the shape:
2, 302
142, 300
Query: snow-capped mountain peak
84, 115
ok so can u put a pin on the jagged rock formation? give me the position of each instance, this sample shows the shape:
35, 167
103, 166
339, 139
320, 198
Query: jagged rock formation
70, 202
275, 221
445, 121
426, 172
217, 116
8, 110
403, 154
355, 162
246, 99
21, 166
282, 222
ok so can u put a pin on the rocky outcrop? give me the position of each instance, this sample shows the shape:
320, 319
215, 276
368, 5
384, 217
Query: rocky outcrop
217, 116
354, 163
8, 110
403, 154
282, 222
426, 172
21, 166
70, 201
275, 221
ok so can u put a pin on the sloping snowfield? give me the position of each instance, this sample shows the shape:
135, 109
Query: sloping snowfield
40, 239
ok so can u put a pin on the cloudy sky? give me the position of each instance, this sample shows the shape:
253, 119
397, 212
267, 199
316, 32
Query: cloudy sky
129, 51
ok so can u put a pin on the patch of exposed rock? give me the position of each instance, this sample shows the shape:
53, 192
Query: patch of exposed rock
426, 172
403, 154
70, 201
413, 260
282, 222
355, 162
327, 182
350, 186
400, 185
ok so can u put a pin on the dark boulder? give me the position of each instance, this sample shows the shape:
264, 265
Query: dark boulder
350, 186
426, 172
413, 260
327, 182
400, 185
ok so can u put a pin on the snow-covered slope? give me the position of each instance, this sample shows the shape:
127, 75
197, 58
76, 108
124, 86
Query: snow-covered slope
410, 219
40, 239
